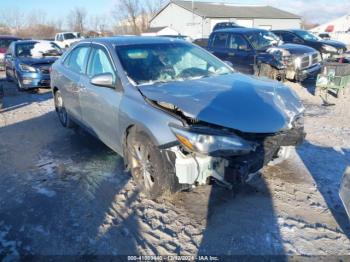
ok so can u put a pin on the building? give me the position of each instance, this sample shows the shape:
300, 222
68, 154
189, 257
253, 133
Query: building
159, 31
339, 25
197, 19
338, 29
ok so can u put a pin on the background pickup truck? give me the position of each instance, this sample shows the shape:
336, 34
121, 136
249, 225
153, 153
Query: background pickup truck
66, 39
260, 52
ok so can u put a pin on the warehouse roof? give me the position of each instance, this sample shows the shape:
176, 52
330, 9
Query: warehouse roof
224, 10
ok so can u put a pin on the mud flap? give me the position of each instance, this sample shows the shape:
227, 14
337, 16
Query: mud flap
345, 190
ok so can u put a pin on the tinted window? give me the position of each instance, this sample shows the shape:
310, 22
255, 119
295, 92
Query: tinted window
5, 43
99, 63
238, 42
77, 59
220, 40
287, 37
69, 36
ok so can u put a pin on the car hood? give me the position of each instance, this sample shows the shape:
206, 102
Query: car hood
34, 61
334, 43
295, 49
236, 101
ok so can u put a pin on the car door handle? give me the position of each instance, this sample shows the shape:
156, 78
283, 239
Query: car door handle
231, 54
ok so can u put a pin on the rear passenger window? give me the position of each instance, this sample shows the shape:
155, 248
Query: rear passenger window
238, 42
220, 40
76, 60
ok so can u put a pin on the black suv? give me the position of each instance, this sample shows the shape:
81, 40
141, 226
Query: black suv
226, 25
260, 52
302, 37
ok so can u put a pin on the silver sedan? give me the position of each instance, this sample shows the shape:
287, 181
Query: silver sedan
179, 116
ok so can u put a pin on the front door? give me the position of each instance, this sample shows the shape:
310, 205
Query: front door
240, 54
100, 104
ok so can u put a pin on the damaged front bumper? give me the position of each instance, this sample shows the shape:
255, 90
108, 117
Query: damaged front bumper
197, 169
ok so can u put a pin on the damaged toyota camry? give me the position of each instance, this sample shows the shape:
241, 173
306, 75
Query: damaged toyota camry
178, 115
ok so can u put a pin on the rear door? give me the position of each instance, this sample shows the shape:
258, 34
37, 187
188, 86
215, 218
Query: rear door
240, 54
74, 68
100, 105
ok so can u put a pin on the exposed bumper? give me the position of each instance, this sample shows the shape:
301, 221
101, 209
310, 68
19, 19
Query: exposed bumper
195, 169
240, 167
34, 80
310, 72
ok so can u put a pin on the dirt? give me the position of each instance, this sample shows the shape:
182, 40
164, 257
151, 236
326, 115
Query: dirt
65, 193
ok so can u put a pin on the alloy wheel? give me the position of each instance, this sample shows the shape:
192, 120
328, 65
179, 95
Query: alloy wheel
142, 166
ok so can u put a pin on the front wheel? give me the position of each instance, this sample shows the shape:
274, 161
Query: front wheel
8, 77
151, 169
265, 70
61, 111
18, 83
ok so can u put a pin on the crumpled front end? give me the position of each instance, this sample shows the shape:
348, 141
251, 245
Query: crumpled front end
230, 167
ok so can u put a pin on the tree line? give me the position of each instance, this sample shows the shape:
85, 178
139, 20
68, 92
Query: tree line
126, 17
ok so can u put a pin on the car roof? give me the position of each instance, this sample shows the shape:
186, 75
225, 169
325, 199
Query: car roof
241, 30
132, 40
9, 37
27, 41
288, 30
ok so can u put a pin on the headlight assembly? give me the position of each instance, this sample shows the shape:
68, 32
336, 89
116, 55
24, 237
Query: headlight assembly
213, 144
329, 49
297, 62
27, 68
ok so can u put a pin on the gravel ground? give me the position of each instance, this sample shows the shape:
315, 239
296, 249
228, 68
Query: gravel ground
63, 193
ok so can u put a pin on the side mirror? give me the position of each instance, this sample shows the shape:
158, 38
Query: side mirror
105, 80
8, 56
228, 63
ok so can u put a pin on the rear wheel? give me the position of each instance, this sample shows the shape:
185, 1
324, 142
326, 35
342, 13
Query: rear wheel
151, 169
270, 72
61, 111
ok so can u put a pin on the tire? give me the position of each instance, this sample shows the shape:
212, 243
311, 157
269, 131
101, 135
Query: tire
282, 155
152, 170
8, 78
62, 113
18, 83
270, 72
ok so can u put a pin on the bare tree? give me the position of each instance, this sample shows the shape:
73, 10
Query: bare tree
128, 10
135, 14
77, 19
13, 18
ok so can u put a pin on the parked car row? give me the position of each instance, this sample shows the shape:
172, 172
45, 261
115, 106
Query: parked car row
279, 54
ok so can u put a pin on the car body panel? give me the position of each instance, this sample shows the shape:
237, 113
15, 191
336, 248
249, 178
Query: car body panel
233, 101
5, 42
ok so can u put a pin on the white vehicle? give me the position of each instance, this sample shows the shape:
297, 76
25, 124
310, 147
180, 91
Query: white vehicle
66, 39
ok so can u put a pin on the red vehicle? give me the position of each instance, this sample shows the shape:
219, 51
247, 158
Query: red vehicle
5, 41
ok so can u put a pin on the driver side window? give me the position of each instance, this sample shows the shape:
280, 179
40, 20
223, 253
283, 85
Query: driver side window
99, 63
237, 42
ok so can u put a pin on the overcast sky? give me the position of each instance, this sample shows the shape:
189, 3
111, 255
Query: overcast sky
315, 10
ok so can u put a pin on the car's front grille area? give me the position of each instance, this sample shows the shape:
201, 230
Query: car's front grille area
309, 60
43, 68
